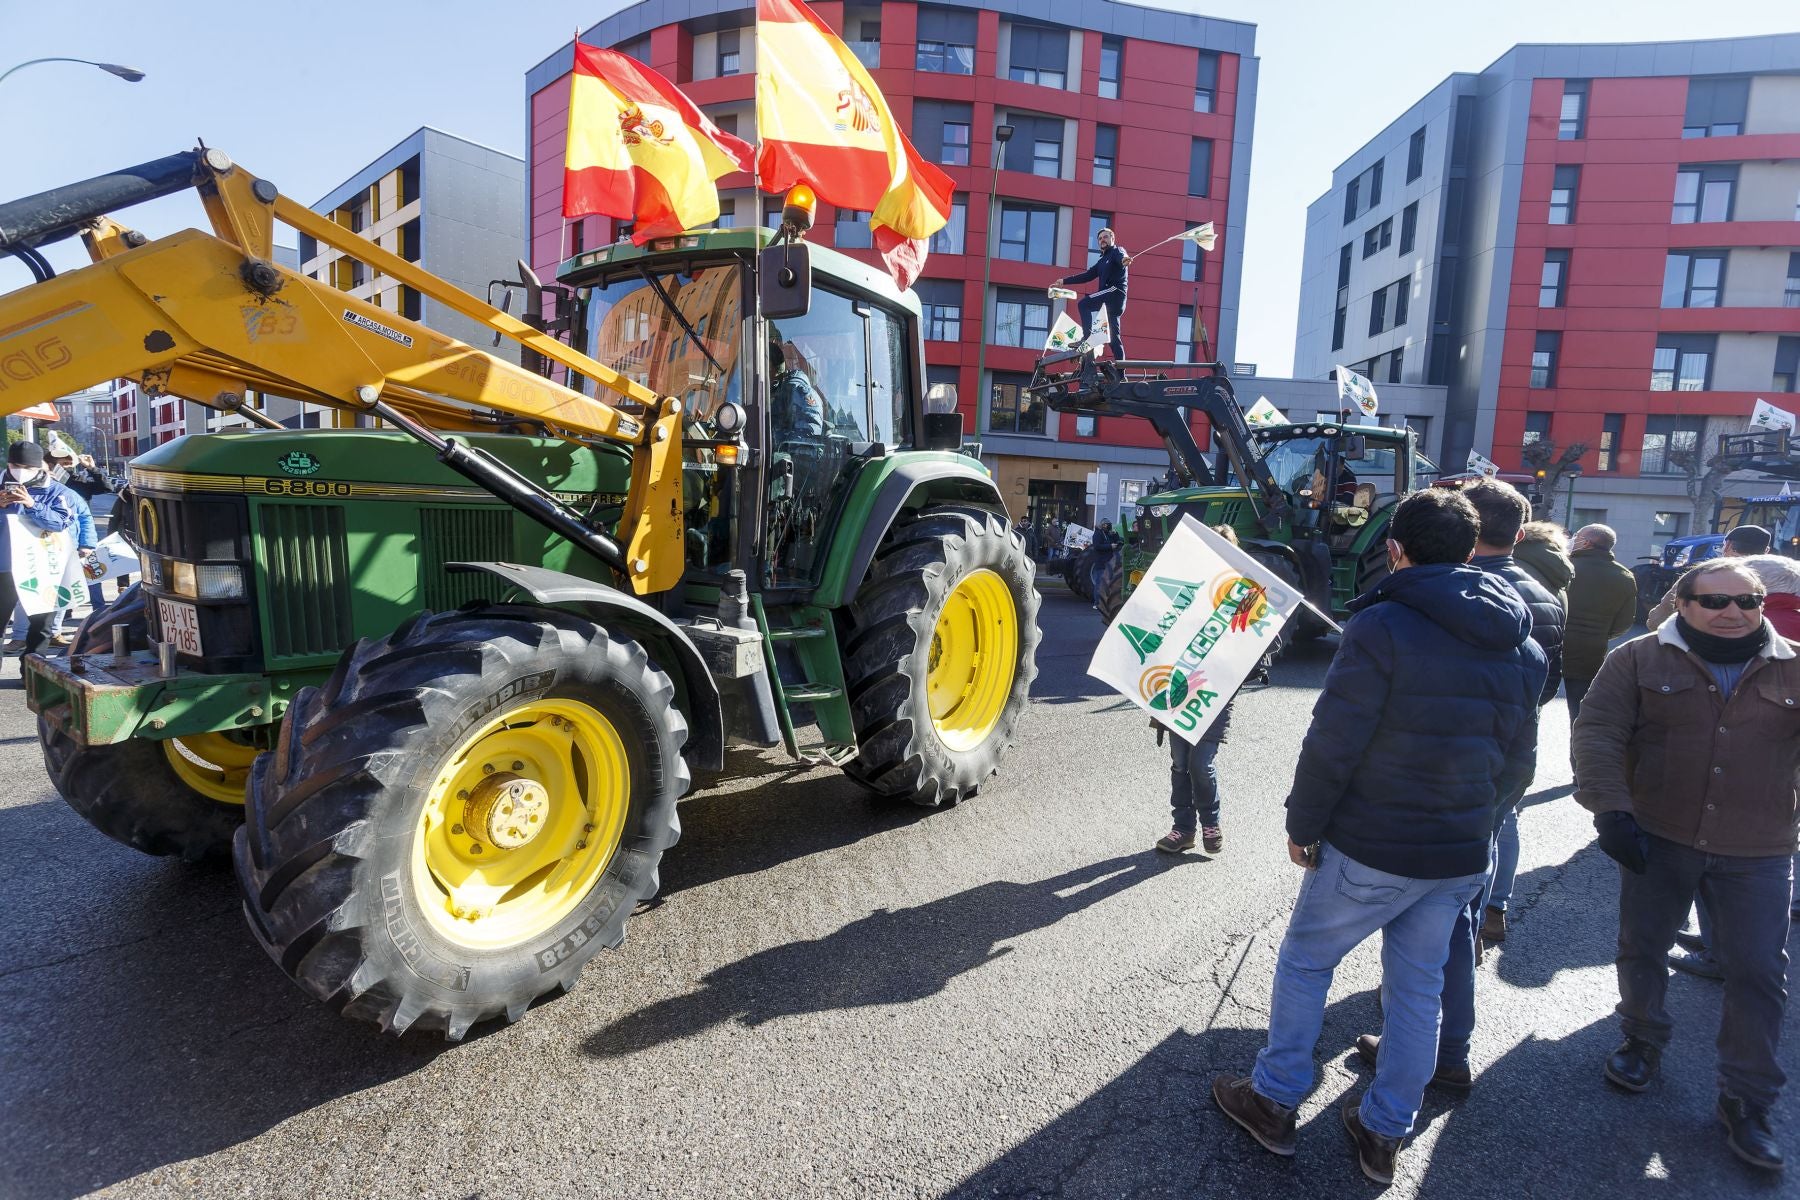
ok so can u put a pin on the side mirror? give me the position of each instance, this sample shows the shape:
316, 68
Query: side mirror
1356, 447
784, 280
943, 430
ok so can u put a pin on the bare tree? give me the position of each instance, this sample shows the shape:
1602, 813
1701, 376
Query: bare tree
1704, 470
1542, 455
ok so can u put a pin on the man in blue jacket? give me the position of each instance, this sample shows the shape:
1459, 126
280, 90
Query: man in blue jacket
1426, 720
28, 495
1112, 271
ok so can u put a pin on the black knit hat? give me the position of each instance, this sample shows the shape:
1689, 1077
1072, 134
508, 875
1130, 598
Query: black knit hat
25, 454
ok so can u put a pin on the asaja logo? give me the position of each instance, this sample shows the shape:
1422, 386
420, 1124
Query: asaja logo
298, 462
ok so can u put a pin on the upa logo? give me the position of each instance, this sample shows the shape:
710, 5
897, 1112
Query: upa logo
298, 462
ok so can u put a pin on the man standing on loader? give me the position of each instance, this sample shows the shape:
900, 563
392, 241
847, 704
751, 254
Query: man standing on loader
1112, 270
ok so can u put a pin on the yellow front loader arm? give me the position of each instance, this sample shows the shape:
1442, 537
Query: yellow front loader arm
209, 317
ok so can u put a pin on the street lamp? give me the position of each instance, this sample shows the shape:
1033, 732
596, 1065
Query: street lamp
128, 74
1002, 135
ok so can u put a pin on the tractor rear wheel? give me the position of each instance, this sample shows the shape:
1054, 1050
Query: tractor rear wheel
462, 816
1112, 588
940, 653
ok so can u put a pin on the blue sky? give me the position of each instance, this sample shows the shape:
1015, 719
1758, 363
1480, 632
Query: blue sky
305, 103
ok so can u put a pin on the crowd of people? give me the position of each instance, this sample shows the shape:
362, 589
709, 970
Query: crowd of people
1403, 810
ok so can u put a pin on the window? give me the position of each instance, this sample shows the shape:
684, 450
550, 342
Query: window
1572, 122
946, 41
1343, 299
1027, 232
949, 239
727, 215
852, 230
1011, 409
1415, 156
1409, 227
1378, 311
1343, 268
1715, 107
1337, 327
1200, 168
1112, 57
1378, 237
1612, 433
1666, 526
1787, 365
940, 301
940, 131
1704, 193
727, 123
1562, 195
1402, 290
1106, 153
1543, 358
1096, 222
728, 52
637, 47
1375, 183
1021, 318
772, 215
1036, 146
1193, 263
1682, 362
1668, 441
1693, 280
1537, 429
1394, 363
1039, 55
1184, 334
1206, 82
1350, 195
1554, 283
1790, 292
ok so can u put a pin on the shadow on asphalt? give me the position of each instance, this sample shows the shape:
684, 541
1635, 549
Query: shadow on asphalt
888, 957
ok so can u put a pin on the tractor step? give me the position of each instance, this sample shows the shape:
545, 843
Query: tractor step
829, 754
797, 633
810, 693
803, 661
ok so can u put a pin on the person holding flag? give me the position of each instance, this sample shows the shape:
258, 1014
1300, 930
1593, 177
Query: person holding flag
1112, 270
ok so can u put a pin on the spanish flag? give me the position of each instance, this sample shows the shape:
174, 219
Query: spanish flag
823, 122
639, 148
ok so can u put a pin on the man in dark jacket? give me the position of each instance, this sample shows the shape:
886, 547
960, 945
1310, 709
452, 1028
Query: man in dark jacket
1686, 753
1425, 723
1112, 271
1602, 605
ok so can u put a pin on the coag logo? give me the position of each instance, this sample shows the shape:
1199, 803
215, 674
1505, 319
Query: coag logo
1252, 604
298, 462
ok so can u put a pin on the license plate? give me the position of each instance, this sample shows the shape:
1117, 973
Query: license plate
180, 624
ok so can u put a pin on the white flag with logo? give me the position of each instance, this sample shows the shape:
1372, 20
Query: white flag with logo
1767, 416
45, 566
1065, 334
1102, 331
112, 558
1263, 413
1354, 389
1483, 464
1191, 632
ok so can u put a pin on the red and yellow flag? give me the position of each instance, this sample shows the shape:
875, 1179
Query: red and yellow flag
639, 148
822, 121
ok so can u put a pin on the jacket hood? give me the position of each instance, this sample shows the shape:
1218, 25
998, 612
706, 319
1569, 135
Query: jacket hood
1547, 559
1467, 603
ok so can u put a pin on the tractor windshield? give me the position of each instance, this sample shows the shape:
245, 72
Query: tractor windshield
1293, 460
676, 329
1780, 517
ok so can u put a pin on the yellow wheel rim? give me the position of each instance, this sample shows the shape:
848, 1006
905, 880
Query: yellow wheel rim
521, 822
213, 764
974, 652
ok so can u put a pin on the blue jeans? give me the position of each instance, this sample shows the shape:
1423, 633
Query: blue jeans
1747, 900
1506, 862
1193, 784
1340, 905
1459, 979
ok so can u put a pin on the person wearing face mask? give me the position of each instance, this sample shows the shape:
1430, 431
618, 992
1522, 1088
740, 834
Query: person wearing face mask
1686, 752
32, 503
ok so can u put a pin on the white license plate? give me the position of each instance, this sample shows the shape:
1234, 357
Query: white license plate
180, 624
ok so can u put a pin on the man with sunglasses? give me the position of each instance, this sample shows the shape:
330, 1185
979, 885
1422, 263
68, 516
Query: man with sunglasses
1686, 752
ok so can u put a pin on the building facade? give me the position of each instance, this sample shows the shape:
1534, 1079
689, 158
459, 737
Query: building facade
1595, 244
1120, 115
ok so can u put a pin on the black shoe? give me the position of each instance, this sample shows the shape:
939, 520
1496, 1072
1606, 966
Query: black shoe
1748, 1134
1447, 1075
1634, 1064
1702, 964
1263, 1119
1493, 925
1374, 1153
1175, 841
1691, 941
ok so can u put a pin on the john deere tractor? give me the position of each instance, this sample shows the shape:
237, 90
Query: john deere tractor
436, 678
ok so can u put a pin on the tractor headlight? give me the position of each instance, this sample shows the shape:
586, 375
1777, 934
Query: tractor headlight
1679, 557
220, 581
1161, 510
181, 579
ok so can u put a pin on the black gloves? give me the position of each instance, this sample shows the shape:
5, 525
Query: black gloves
1623, 841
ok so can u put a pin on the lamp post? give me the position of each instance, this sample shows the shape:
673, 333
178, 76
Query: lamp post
128, 74
1002, 135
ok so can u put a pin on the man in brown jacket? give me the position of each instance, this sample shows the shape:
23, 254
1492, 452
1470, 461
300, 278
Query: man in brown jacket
1686, 752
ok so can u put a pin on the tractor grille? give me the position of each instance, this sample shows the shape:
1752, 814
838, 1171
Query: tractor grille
308, 597
448, 535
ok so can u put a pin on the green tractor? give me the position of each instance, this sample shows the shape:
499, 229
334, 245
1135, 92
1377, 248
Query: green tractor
437, 695
1311, 500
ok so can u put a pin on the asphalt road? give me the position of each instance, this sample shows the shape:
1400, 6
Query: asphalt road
1016, 997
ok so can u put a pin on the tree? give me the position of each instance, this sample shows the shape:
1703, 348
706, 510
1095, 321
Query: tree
1542, 458
1705, 472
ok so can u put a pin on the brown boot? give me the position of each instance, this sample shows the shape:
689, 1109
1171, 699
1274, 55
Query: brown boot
1493, 925
1374, 1153
1263, 1119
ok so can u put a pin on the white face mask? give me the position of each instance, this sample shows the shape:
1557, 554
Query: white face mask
22, 474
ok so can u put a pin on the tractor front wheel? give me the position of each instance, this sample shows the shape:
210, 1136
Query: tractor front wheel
462, 816
940, 654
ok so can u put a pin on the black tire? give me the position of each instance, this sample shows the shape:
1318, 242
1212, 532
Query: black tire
1372, 567
888, 648
129, 792
94, 635
1112, 588
325, 859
